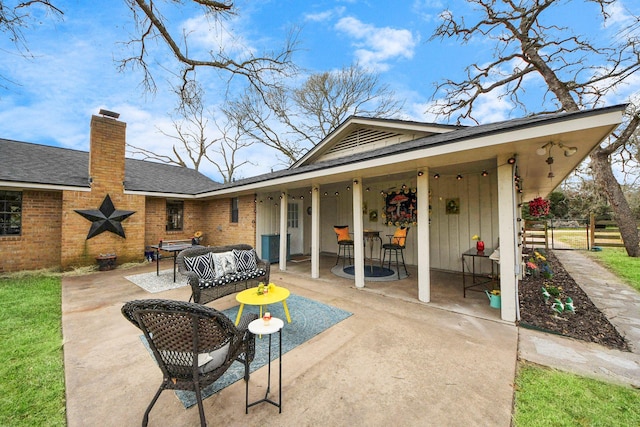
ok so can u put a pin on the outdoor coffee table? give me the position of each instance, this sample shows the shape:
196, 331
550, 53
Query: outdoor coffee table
251, 297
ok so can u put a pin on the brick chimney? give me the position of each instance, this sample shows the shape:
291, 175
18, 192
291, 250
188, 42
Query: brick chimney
106, 153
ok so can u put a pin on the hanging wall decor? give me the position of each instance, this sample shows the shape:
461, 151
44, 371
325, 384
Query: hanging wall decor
107, 218
401, 208
452, 206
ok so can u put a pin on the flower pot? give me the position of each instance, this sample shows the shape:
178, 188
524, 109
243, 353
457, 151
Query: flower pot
480, 246
106, 262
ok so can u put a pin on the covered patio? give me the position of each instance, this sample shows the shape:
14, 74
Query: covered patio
465, 181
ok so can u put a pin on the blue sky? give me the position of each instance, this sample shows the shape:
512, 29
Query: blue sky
50, 98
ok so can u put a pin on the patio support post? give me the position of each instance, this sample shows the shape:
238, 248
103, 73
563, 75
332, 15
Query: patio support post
358, 233
507, 230
283, 231
424, 257
315, 232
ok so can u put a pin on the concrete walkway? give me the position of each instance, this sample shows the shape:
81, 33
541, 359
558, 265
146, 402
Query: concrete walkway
618, 301
393, 362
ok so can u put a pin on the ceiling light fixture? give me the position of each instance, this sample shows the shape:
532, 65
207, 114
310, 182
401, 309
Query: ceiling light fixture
568, 151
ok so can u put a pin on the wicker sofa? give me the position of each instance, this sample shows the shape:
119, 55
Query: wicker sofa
216, 271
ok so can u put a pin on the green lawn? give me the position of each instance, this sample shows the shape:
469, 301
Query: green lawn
547, 397
617, 261
32, 371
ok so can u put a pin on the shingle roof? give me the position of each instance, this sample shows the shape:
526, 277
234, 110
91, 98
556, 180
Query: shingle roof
420, 143
23, 162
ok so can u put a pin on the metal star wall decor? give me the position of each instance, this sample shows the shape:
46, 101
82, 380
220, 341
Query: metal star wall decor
107, 218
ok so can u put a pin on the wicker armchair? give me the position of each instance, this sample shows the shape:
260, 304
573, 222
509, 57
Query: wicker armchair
204, 291
192, 344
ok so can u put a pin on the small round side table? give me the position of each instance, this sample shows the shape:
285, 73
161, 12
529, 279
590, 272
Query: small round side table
258, 327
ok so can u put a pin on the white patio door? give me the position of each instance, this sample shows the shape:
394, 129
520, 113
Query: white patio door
295, 226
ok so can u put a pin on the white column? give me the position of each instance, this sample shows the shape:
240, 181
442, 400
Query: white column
284, 200
424, 257
358, 232
507, 208
315, 232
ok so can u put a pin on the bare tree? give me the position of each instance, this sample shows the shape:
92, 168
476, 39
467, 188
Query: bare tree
292, 120
577, 72
258, 70
192, 144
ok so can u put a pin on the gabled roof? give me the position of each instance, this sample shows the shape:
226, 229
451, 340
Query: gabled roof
512, 137
29, 165
359, 134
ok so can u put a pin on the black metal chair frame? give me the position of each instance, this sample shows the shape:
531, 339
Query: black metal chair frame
396, 247
344, 246
178, 331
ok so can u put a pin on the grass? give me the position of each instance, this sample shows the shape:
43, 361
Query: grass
32, 389
546, 397
617, 261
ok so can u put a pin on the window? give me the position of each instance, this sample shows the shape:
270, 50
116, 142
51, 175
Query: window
175, 213
292, 215
10, 213
234, 209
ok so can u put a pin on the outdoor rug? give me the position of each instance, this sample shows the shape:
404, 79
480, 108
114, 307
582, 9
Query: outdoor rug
375, 274
153, 283
308, 319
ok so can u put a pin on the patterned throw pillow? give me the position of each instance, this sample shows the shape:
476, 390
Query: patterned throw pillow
225, 263
202, 265
245, 260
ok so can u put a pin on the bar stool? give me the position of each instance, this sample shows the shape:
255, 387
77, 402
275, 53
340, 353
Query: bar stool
345, 243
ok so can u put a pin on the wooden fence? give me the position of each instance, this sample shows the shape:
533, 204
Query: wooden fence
604, 233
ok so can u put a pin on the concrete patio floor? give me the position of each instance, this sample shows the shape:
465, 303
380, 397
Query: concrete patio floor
395, 361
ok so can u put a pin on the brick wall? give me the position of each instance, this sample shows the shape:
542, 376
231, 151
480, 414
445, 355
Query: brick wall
55, 235
39, 244
106, 169
223, 231
77, 250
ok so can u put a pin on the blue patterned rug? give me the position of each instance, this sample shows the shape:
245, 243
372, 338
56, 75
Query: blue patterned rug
308, 319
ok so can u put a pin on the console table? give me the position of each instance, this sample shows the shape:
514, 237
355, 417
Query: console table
476, 278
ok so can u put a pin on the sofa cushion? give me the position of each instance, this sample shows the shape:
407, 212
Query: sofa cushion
225, 263
245, 260
202, 265
231, 278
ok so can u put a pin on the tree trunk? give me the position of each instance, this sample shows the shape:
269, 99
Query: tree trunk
624, 217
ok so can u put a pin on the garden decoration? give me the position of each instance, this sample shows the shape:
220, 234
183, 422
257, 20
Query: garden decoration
557, 306
545, 294
568, 305
107, 218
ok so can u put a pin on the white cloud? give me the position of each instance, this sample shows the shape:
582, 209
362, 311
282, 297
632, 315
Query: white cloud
376, 46
325, 16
